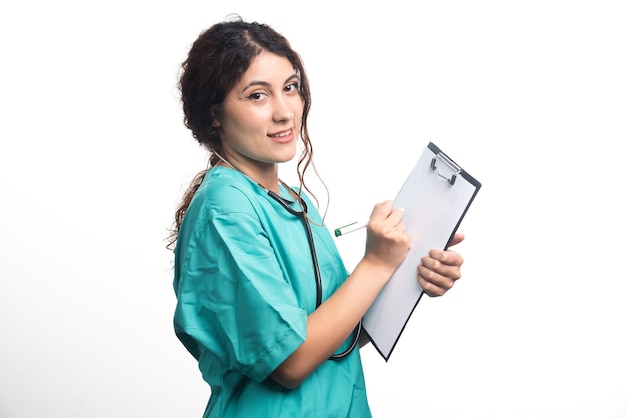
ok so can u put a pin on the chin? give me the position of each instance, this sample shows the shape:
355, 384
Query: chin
286, 157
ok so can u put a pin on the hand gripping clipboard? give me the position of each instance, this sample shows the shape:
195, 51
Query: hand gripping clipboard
435, 198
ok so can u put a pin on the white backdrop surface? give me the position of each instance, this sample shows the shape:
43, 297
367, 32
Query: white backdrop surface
530, 97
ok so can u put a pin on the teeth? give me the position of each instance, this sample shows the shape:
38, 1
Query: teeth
282, 134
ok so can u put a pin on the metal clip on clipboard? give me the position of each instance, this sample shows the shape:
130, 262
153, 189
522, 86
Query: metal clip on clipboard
447, 161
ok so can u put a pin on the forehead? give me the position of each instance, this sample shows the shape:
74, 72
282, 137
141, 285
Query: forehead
269, 68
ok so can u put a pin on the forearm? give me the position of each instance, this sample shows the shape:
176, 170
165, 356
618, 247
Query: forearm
333, 322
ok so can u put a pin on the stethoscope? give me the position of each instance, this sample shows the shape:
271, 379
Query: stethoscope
316, 268
309, 234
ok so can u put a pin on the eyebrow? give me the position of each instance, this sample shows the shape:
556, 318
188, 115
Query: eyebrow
266, 84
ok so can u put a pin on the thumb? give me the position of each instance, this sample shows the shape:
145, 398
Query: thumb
457, 239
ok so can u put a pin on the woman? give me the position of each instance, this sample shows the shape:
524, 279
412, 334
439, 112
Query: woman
265, 303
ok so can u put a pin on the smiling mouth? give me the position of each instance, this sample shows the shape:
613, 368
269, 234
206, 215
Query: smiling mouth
281, 134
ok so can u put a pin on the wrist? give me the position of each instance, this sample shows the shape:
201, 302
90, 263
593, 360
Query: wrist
375, 270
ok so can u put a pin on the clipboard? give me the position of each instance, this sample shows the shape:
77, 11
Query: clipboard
435, 197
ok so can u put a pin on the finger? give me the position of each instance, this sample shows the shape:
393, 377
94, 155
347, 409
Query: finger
395, 217
435, 271
451, 271
385, 217
381, 210
445, 257
432, 283
456, 239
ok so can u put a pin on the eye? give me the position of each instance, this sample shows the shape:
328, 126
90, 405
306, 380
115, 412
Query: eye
257, 96
293, 87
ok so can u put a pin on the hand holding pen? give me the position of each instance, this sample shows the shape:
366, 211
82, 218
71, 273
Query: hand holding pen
437, 271
387, 242
354, 226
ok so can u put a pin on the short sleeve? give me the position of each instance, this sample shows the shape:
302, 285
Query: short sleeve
234, 301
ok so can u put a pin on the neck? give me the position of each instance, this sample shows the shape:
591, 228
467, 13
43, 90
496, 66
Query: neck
267, 179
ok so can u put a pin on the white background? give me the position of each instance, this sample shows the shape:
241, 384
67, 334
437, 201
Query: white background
528, 96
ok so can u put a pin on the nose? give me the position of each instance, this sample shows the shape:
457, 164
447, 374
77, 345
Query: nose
283, 110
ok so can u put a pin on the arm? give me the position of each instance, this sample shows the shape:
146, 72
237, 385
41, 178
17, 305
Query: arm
437, 279
331, 324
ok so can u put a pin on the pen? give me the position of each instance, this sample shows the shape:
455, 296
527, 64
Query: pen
346, 229
354, 226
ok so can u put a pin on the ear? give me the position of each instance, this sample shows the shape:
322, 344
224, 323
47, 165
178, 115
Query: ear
215, 112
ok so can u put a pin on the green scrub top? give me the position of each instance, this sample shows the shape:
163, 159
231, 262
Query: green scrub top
245, 284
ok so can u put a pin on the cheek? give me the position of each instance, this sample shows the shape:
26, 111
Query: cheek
298, 111
244, 122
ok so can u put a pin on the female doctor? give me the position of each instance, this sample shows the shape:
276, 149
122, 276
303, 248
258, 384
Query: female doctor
264, 301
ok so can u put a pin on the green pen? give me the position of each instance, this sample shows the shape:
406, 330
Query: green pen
346, 229
354, 226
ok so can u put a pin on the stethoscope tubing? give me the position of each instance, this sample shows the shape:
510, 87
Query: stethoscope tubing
316, 268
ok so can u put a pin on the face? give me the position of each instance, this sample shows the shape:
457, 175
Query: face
261, 116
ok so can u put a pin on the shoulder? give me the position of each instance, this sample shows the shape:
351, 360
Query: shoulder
225, 191
222, 194
222, 208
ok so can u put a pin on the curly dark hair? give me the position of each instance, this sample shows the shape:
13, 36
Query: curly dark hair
216, 62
